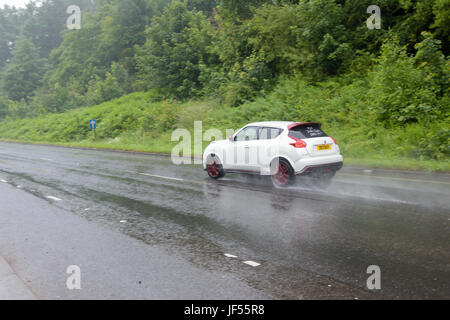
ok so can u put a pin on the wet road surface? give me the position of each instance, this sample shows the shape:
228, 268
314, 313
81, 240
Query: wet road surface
143, 228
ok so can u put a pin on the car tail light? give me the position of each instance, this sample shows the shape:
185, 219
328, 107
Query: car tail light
335, 142
298, 143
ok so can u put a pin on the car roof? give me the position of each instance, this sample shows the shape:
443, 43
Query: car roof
276, 124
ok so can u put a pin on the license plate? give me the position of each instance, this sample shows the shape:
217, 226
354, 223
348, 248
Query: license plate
324, 147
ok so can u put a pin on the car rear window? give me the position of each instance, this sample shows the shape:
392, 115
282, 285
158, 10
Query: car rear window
307, 131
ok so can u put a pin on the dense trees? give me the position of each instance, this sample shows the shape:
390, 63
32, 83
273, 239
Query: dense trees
23, 74
409, 88
230, 49
11, 21
176, 46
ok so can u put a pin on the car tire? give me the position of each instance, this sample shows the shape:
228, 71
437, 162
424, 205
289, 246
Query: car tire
214, 168
283, 174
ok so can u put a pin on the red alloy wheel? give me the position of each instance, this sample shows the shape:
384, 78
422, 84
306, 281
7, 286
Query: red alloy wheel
283, 176
213, 170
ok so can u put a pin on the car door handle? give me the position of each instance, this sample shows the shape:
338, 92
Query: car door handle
247, 147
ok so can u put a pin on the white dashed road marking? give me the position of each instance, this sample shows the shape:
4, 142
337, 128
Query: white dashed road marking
53, 198
230, 256
252, 263
160, 177
4, 181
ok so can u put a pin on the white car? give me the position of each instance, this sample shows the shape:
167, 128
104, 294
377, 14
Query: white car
283, 150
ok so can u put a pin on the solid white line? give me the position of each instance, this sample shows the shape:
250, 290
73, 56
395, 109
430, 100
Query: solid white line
160, 177
252, 263
53, 198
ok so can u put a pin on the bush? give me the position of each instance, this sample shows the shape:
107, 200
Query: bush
435, 144
407, 89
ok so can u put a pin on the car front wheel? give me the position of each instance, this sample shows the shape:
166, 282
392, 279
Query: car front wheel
215, 168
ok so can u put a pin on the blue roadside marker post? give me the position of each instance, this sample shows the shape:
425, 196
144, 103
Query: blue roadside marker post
93, 125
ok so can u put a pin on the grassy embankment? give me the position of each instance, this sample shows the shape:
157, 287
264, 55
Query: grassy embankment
135, 123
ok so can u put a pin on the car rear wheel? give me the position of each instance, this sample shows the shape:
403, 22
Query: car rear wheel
283, 174
215, 168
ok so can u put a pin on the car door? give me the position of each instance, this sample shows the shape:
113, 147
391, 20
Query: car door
245, 149
268, 147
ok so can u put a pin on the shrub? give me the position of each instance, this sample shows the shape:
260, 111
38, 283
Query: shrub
404, 88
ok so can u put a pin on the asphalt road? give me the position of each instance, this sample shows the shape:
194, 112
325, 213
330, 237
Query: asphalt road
140, 227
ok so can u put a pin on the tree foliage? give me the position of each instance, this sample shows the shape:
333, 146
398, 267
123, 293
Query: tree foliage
175, 48
232, 50
24, 73
408, 88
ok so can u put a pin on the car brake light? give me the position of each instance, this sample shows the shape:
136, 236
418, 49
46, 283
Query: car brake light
298, 143
335, 142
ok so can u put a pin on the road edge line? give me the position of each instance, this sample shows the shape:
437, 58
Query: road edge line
10, 280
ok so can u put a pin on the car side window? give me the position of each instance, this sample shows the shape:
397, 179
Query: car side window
248, 134
269, 133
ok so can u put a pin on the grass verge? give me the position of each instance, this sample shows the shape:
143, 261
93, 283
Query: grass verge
135, 123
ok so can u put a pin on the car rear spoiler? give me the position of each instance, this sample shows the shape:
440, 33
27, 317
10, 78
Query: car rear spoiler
295, 125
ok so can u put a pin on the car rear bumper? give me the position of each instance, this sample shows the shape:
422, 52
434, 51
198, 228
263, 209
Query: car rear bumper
310, 164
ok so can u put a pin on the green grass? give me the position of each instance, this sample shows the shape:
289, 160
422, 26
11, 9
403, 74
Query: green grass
400, 164
134, 123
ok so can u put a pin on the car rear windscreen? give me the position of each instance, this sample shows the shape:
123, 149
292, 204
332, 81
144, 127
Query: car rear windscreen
307, 131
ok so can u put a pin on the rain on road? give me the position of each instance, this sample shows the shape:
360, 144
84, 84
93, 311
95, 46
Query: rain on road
235, 238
